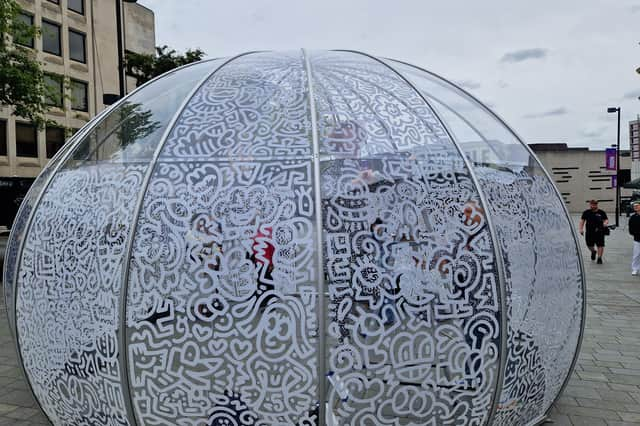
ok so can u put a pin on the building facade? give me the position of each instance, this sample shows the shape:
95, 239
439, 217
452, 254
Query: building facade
580, 175
634, 144
79, 53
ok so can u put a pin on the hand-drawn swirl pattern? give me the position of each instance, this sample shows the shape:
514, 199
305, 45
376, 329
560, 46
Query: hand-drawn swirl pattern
305, 243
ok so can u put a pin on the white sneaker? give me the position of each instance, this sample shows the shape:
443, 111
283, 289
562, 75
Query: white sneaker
634, 272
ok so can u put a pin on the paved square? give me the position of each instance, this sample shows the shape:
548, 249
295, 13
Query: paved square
604, 390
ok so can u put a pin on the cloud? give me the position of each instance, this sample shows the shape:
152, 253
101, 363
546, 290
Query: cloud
503, 84
594, 133
635, 8
550, 113
469, 84
524, 54
634, 94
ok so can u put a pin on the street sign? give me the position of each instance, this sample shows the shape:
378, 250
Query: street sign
610, 158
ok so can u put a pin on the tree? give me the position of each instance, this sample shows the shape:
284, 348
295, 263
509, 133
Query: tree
22, 83
144, 67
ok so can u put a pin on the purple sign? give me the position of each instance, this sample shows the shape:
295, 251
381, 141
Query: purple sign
610, 158
614, 181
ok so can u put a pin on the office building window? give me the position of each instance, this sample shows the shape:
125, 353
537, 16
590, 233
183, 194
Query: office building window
55, 140
77, 46
54, 90
51, 38
24, 39
26, 140
55, 1
79, 96
76, 5
3, 137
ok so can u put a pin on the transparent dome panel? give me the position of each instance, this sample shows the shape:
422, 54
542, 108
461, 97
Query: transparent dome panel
68, 296
256, 106
541, 258
408, 255
223, 284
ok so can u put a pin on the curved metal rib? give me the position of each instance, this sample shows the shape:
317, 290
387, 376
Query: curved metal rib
492, 232
320, 258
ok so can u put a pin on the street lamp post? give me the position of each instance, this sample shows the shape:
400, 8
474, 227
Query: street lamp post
617, 110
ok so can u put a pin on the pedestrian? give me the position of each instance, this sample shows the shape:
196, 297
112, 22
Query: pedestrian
596, 221
634, 229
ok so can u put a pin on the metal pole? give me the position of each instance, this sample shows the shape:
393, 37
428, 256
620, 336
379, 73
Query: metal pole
120, 43
618, 173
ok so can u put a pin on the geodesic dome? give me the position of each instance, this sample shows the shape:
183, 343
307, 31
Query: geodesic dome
299, 238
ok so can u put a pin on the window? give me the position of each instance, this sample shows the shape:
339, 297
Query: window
26, 140
51, 38
55, 1
76, 6
3, 137
79, 96
24, 39
77, 46
54, 90
55, 140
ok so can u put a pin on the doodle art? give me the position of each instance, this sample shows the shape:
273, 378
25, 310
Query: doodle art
295, 238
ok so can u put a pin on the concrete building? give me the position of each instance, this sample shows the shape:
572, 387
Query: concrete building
634, 144
78, 48
580, 175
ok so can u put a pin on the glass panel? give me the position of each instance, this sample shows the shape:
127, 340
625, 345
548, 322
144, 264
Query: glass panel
79, 96
51, 38
223, 294
76, 6
413, 331
26, 140
20, 38
54, 90
541, 258
55, 140
223, 277
77, 46
68, 300
268, 113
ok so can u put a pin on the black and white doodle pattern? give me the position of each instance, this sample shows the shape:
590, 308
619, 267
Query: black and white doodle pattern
544, 289
68, 303
413, 314
222, 296
222, 326
255, 106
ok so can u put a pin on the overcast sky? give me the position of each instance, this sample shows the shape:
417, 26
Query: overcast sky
550, 68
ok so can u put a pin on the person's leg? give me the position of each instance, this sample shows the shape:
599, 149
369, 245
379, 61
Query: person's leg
600, 245
588, 238
635, 261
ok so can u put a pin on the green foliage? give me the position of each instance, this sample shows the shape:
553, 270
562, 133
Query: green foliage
21, 77
144, 67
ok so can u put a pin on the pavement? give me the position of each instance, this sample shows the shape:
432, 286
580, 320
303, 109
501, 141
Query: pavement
604, 388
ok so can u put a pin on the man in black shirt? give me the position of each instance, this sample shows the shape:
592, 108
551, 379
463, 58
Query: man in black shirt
596, 221
634, 229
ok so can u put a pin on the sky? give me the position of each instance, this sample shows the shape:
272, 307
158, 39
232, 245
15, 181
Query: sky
550, 68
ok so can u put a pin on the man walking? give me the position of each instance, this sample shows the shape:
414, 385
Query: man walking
596, 221
634, 229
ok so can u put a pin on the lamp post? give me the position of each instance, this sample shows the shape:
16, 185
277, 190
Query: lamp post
617, 110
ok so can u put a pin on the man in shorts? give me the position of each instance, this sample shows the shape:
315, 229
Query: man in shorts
596, 220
